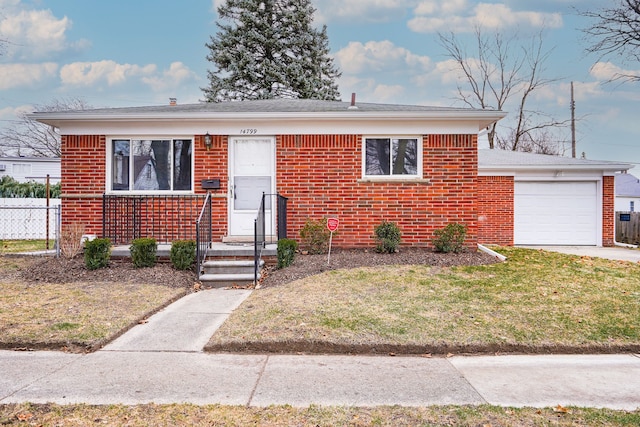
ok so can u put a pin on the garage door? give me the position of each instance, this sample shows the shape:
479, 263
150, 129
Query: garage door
555, 213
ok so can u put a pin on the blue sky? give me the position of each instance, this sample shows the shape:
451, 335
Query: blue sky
128, 53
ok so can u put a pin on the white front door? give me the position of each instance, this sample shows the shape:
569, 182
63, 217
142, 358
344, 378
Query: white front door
251, 173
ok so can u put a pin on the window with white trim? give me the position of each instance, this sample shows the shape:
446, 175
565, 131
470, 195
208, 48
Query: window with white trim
151, 165
393, 157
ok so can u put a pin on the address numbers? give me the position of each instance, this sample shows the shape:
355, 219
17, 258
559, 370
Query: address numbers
248, 131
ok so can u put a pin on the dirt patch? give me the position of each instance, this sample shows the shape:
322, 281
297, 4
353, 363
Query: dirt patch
309, 265
62, 270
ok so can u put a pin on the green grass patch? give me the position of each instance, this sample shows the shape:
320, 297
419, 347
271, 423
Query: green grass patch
535, 299
16, 246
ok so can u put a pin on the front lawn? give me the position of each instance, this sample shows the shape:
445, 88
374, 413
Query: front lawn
76, 315
537, 301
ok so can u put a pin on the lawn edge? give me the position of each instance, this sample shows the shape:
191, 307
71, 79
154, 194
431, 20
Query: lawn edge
325, 347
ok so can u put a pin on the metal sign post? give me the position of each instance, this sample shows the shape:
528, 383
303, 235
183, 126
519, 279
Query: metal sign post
332, 225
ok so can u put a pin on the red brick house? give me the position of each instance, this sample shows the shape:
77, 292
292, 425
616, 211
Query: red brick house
146, 170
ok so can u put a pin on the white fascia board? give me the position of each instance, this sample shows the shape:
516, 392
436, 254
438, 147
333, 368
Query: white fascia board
262, 126
69, 123
512, 170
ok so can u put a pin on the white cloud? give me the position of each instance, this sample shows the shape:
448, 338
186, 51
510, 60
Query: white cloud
26, 75
34, 34
363, 10
459, 16
109, 72
607, 71
388, 93
375, 56
177, 74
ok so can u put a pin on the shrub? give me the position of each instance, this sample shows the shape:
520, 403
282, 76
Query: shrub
183, 254
143, 252
387, 235
97, 253
451, 238
315, 236
71, 240
286, 252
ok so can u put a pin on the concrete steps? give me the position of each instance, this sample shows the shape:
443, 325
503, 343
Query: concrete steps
223, 272
232, 265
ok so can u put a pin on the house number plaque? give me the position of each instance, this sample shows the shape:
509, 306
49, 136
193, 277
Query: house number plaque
248, 131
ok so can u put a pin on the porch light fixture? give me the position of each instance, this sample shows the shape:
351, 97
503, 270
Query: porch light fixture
207, 141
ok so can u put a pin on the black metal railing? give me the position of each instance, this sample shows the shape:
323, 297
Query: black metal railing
204, 234
260, 227
164, 218
258, 238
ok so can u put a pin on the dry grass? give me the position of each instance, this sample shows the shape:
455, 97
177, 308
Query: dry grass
217, 415
74, 315
535, 302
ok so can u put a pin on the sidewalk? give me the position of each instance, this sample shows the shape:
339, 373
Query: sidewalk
150, 364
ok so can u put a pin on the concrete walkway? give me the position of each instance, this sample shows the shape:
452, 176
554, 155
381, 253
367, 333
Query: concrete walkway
161, 361
616, 253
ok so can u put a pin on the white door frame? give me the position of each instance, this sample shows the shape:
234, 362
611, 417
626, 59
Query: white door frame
234, 216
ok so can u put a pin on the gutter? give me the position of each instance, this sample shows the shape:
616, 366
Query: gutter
492, 253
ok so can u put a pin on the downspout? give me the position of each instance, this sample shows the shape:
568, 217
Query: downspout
492, 252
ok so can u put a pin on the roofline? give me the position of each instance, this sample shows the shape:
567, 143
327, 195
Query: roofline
30, 159
208, 115
610, 167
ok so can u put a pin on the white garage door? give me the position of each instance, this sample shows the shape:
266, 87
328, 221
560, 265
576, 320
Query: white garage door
555, 213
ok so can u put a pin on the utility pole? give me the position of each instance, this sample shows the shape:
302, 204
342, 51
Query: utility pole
573, 124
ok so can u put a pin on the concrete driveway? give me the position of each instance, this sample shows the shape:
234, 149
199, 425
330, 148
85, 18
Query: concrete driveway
618, 253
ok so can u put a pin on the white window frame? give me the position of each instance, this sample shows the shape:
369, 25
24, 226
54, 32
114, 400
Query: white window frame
391, 177
109, 165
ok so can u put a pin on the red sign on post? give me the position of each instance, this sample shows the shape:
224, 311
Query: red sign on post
332, 224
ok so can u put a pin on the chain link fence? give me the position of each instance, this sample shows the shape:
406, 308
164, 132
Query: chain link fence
31, 219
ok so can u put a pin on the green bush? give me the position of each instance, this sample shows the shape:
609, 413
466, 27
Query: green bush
183, 254
315, 236
451, 238
143, 252
286, 252
97, 253
387, 236
10, 188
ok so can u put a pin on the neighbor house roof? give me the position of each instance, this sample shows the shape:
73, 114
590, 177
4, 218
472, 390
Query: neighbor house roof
271, 108
516, 160
627, 185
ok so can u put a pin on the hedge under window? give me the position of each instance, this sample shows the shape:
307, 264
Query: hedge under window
151, 165
391, 156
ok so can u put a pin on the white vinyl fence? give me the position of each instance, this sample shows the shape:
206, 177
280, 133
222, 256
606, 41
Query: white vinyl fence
26, 219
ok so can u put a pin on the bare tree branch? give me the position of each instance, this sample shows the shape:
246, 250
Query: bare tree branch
31, 138
616, 32
499, 72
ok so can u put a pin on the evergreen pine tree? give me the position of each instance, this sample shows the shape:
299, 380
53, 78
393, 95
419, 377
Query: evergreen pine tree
269, 49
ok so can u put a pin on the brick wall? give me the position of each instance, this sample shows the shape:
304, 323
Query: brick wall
83, 182
320, 174
608, 211
322, 177
495, 210
213, 164
83, 185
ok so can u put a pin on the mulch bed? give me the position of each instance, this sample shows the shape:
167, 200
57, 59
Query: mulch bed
62, 270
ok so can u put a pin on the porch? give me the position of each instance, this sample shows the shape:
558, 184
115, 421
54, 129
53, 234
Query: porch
220, 260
